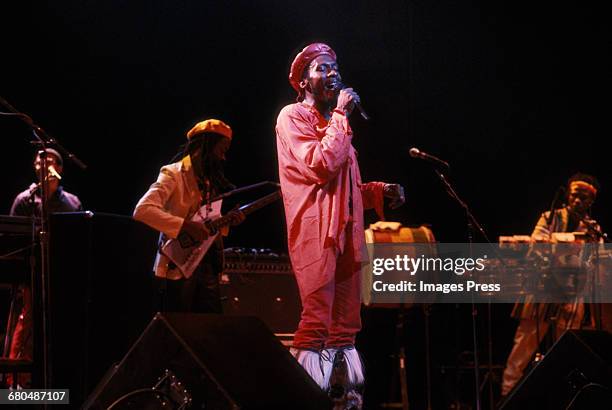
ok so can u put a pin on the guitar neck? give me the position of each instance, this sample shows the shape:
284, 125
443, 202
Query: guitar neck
247, 209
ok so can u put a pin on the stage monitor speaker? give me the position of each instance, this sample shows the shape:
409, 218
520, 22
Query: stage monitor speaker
576, 373
205, 361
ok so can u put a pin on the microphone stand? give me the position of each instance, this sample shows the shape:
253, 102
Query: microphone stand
552, 211
42, 139
593, 231
472, 222
601, 236
553, 207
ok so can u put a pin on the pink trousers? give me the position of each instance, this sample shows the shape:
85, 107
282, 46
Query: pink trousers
331, 313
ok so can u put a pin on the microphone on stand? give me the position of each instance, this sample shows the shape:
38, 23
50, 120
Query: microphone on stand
553, 206
365, 116
416, 153
53, 172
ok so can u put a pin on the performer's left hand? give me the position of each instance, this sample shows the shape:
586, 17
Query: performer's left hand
395, 192
236, 217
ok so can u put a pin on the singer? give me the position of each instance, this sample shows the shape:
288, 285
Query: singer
29, 203
324, 200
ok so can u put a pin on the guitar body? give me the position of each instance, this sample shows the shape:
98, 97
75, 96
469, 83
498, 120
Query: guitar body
187, 258
187, 254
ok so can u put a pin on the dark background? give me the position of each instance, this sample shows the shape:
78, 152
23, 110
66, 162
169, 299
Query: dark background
513, 95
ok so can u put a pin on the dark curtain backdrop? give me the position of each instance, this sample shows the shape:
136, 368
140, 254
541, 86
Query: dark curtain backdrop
514, 96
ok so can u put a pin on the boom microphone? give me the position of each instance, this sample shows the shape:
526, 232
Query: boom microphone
53, 172
416, 153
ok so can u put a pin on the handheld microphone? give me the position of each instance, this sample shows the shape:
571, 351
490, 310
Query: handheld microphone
365, 116
416, 153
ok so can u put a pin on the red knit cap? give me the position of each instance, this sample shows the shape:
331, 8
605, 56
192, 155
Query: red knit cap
304, 58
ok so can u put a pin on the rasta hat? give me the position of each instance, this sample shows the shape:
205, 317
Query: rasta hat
211, 125
304, 58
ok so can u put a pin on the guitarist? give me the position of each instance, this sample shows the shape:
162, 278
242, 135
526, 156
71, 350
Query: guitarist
168, 206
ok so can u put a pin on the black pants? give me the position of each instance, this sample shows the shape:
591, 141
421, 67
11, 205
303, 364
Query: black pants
198, 294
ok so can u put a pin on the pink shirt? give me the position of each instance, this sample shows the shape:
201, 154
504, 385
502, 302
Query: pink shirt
319, 173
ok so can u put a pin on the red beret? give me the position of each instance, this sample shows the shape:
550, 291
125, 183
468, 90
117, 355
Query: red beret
304, 58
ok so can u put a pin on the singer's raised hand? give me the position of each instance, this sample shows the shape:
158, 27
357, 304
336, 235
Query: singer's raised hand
346, 100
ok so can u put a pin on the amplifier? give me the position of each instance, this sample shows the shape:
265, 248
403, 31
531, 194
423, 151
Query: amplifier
261, 283
256, 261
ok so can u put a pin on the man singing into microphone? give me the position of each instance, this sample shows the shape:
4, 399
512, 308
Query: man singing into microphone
29, 203
324, 200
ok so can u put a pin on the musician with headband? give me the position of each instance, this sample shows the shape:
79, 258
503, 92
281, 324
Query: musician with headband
535, 319
324, 199
168, 206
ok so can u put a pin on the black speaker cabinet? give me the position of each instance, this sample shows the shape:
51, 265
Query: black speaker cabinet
272, 297
100, 297
205, 361
576, 373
